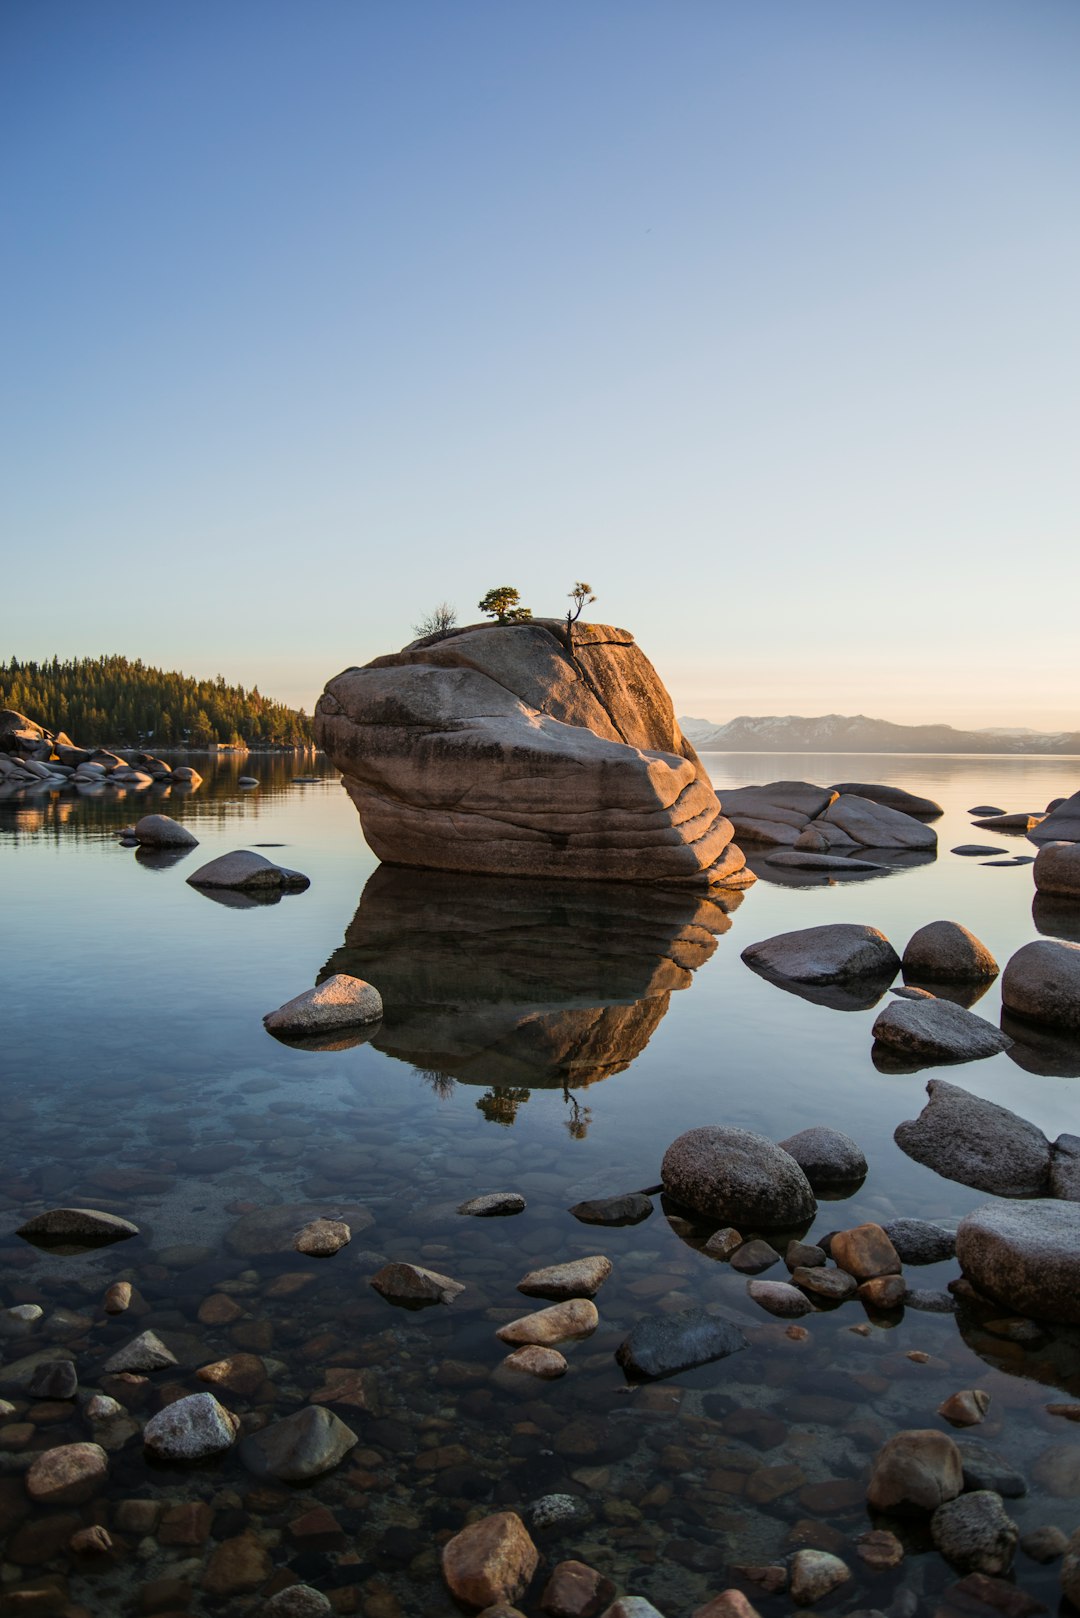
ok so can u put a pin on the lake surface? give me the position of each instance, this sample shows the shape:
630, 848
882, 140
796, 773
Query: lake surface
551, 1041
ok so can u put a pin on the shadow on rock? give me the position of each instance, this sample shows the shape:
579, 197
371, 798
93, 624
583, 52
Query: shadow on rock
517, 984
1040, 1050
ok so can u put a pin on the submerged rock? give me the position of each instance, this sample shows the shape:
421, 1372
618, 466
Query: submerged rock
920, 1241
322, 1238
835, 953
661, 1345
816, 1574
519, 750
493, 1205
161, 831
937, 1031
1025, 1256
736, 1175
917, 1470
144, 1353
780, 1298
977, 1143
577, 1278
876, 825
629, 1209
300, 1446
273, 1229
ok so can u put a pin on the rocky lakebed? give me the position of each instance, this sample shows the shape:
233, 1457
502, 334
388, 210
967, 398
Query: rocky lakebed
399, 1242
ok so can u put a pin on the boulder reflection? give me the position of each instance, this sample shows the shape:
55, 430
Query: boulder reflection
522, 985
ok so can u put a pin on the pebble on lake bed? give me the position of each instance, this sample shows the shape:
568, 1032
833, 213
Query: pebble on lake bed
191, 1428
546, 1363
67, 1475
577, 1278
412, 1284
967, 1408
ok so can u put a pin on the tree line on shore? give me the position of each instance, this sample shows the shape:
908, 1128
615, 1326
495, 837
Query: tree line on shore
122, 702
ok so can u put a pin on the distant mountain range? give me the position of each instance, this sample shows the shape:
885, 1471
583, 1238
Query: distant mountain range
846, 733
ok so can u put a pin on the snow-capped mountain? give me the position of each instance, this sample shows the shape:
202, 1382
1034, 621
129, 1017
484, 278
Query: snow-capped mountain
847, 733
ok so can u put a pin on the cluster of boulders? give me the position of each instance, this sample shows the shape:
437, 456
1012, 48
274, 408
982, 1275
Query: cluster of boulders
809, 827
33, 759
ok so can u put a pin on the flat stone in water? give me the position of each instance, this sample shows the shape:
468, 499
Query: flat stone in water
629, 1209
662, 1345
76, 1224
144, 1353
577, 1278
413, 1285
971, 849
936, 1030
577, 1317
780, 1298
493, 1204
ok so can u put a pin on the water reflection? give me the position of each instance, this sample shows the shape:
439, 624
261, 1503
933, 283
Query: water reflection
522, 985
1056, 917
1041, 1050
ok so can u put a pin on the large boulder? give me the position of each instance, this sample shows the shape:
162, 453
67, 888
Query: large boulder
504, 749
738, 1177
776, 813
1061, 824
1057, 869
838, 952
161, 831
945, 952
1042, 984
875, 825
243, 868
976, 1142
1025, 1256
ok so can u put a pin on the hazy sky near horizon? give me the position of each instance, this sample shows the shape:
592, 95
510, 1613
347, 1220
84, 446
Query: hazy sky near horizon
760, 317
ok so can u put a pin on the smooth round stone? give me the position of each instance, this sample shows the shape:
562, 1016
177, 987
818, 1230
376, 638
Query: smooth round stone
628, 1209
754, 1256
826, 1156
937, 1030
814, 1575
556, 1511
576, 1317
546, 1363
273, 1230
832, 1285
1042, 984
1025, 1256
298, 1600
323, 1237
660, 1345
67, 1475
1057, 870
738, 1176
920, 1241
489, 1561
243, 869
77, 1224
834, 953
864, 1252
780, 1298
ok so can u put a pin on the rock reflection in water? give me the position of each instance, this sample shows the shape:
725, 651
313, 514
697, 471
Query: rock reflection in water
519, 985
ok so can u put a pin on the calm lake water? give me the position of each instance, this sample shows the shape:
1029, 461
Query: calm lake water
551, 1041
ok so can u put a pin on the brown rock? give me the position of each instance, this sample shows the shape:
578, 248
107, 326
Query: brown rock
576, 1590
883, 1292
349, 1385
865, 1252
240, 1373
41, 1539
411, 1283
967, 1408
835, 1285
497, 749
728, 1604
186, 1523
219, 1310
323, 1237
316, 1530
117, 1298
237, 1565
916, 1470
546, 1363
68, 1475
137, 1516
94, 1541
489, 1561
577, 1317
770, 1483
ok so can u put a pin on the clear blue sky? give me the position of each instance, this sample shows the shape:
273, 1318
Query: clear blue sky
759, 315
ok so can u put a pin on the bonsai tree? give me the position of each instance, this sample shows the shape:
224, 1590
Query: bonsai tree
502, 605
437, 622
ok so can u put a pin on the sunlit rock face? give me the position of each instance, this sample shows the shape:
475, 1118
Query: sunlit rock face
497, 749
493, 981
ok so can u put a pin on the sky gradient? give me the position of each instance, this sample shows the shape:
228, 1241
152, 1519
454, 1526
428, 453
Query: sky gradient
760, 317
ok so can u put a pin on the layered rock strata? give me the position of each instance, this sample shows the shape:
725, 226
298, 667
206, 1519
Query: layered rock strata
501, 749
